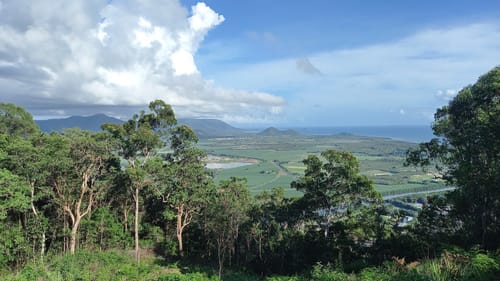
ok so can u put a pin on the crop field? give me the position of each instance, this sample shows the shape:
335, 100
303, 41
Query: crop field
277, 161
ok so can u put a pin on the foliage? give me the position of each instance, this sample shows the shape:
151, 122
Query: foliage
14, 120
467, 153
226, 216
324, 273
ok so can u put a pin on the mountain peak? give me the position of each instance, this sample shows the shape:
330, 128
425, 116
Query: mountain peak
90, 123
272, 131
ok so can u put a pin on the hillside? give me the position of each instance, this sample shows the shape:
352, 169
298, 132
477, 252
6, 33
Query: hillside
273, 132
90, 123
205, 128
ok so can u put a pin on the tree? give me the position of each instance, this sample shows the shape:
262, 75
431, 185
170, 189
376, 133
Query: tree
184, 183
334, 186
83, 159
334, 192
467, 153
27, 158
137, 141
227, 214
14, 201
14, 120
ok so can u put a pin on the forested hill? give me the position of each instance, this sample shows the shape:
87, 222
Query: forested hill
271, 131
202, 127
91, 123
205, 128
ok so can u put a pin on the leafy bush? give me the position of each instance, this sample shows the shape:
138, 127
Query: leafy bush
409, 275
374, 274
482, 267
323, 273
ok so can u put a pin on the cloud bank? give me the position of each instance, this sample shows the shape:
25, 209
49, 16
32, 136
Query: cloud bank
76, 57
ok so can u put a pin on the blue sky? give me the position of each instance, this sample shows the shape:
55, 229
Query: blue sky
250, 63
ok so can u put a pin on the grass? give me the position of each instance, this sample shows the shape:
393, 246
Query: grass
120, 265
381, 159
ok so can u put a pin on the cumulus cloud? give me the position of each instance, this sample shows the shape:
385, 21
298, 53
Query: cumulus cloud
305, 66
59, 56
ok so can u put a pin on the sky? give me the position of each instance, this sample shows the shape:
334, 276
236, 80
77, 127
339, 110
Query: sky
250, 63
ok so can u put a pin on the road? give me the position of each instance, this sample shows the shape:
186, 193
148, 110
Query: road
389, 197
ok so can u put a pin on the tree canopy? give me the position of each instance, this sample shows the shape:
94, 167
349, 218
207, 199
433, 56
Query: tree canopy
467, 153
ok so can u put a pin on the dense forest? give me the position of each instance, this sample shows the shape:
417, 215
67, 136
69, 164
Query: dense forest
80, 205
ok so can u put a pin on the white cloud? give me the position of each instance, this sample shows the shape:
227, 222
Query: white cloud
367, 80
446, 95
61, 55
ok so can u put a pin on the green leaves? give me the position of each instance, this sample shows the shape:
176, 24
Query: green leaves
467, 153
14, 194
14, 120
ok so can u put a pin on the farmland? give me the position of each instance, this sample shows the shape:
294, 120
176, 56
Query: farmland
275, 161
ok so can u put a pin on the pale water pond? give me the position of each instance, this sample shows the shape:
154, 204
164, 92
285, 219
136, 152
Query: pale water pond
227, 165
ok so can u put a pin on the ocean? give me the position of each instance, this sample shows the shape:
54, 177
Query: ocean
414, 134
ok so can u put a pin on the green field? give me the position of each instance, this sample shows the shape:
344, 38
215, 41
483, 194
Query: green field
280, 160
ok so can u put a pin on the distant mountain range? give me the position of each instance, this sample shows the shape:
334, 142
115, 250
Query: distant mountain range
90, 123
204, 128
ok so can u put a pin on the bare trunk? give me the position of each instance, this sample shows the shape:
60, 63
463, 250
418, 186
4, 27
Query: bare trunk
42, 246
220, 256
74, 230
136, 226
42, 242
179, 229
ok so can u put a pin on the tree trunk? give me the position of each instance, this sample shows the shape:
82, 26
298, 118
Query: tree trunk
136, 226
42, 242
74, 230
220, 256
179, 229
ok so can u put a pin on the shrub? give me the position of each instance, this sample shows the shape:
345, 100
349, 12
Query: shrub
482, 267
323, 273
374, 274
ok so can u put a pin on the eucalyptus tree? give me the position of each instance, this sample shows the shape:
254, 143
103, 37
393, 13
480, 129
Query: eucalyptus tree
138, 141
333, 185
467, 153
82, 160
227, 214
23, 156
27, 158
184, 184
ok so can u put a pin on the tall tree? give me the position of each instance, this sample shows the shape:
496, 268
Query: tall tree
333, 186
27, 158
138, 141
185, 184
467, 152
14, 201
227, 214
83, 159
